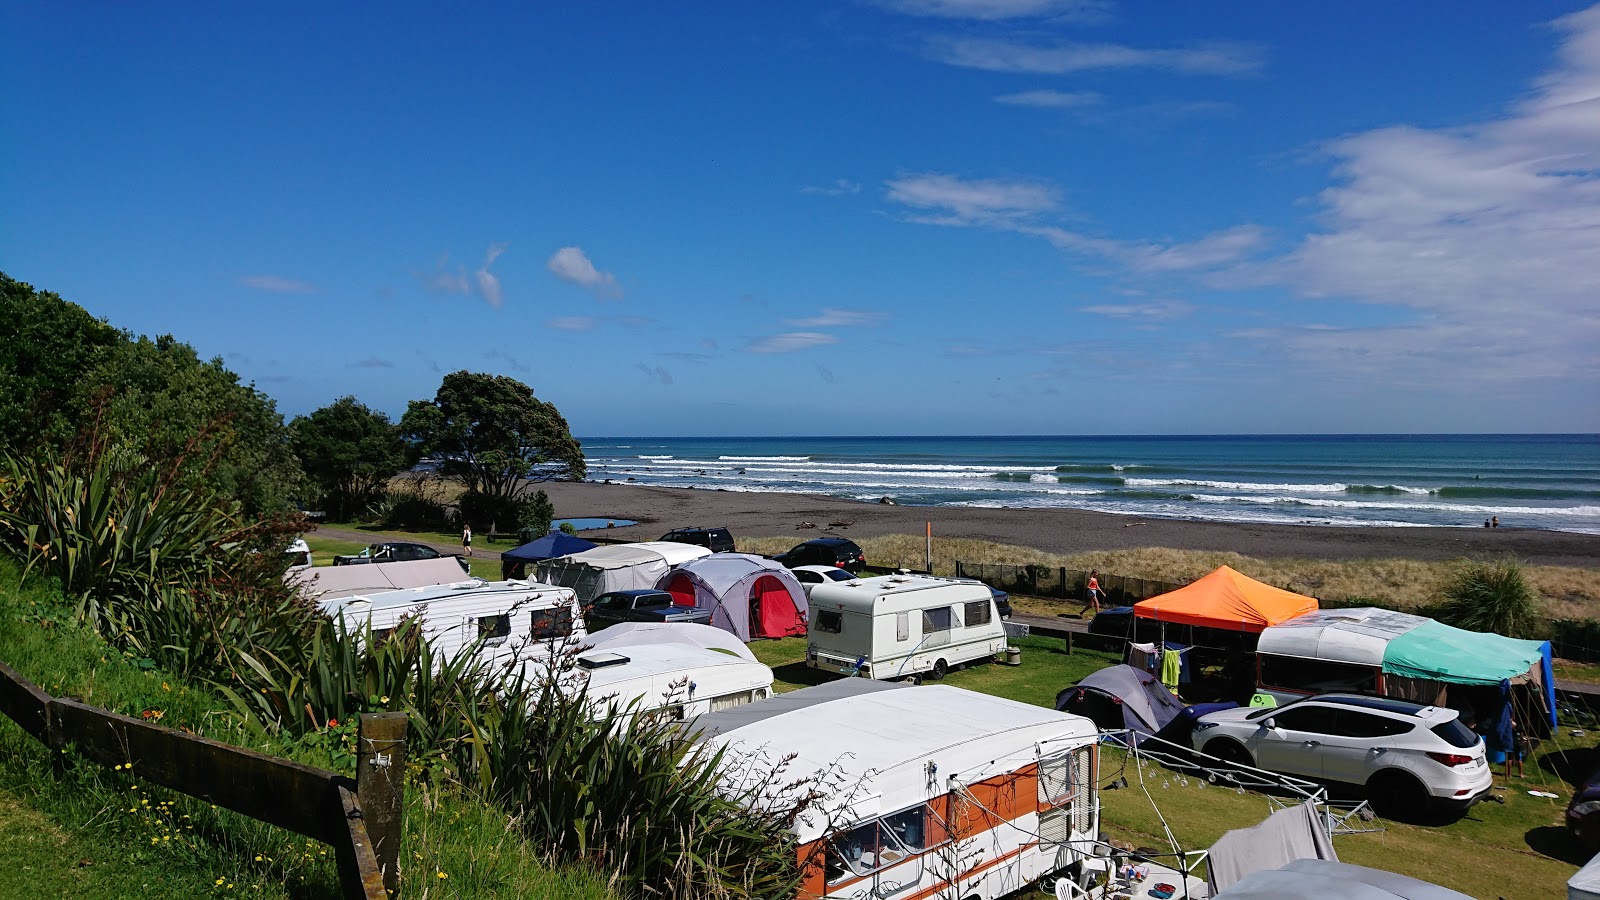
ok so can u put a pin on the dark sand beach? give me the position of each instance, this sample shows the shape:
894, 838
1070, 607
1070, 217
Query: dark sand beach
753, 514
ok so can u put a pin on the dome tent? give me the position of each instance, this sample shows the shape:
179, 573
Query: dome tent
750, 596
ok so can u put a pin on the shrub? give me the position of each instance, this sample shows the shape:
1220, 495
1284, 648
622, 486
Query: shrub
535, 514
1491, 596
487, 511
409, 509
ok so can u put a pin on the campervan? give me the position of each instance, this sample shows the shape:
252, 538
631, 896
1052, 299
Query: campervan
683, 679
517, 621
901, 626
929, 791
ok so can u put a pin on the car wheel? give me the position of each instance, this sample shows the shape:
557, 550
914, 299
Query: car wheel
940, 667
1230, 751
1394, 795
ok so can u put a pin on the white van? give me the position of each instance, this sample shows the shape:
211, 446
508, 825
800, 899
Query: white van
518, 621
901, 626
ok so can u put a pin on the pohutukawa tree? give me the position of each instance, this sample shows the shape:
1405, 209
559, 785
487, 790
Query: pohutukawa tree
491, 434
349, 451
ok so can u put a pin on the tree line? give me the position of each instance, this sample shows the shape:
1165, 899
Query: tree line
69, 380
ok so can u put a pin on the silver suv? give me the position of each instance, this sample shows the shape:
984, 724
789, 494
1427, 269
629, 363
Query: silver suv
1409, 757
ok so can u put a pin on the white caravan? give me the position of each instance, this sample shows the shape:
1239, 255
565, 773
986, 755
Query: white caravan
930, 791
682, 678
901, 626
518, 621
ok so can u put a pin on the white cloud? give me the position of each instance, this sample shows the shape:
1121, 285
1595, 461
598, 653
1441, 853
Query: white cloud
833, 318
573, 323
839, 188
276, 285
488, 282
957, 201
1212, 251
790, 342
1149, 312
482, 282
1061, 58
1492, 230
1048, 99
1080, 10
572, 264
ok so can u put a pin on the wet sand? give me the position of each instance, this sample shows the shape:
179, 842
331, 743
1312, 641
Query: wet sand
751, 514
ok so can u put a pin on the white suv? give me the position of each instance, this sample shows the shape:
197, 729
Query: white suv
1408, 756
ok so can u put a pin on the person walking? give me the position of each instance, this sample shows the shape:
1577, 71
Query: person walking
466, 539
1092, 589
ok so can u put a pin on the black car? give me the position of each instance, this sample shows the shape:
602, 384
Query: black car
717, 540
395, 551
824, 552
638, 606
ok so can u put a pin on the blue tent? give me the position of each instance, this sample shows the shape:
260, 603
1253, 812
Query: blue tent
552, 545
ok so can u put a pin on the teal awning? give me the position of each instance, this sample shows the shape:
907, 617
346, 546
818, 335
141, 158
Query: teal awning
1439, 652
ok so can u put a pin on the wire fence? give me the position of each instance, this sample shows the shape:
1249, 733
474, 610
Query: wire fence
1061, 583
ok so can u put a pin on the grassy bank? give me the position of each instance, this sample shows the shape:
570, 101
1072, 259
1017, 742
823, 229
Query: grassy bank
1569, 592
84, 831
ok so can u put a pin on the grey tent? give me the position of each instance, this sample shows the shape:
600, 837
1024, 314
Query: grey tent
750, 596
1317, 879
1122, 697
1285, 836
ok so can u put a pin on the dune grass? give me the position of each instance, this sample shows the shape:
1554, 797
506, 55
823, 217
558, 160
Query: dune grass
1568, 592
80, 830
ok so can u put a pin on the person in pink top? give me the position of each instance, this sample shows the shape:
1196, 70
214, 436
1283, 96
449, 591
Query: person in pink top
1093, 591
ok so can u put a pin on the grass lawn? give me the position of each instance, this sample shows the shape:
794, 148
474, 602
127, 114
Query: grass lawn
324, 549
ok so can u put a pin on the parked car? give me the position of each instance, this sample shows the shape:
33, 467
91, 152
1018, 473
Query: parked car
395, 551
811, 576
717, 540
838, 552
639, 606
1409, 757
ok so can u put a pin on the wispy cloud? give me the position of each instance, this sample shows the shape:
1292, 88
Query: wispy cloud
839, 188
1049, 99
276, 285
655, 373
482, 282
573, 323
373, 363
991, 10
572, 264
1150, 312
950, 200
832, 317
790, 342
1061, 58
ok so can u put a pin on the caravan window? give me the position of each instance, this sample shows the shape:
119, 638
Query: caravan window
862, 851
829, 621
552, 623
494, 629
917, 828
978, 612
935, 620
1317, 676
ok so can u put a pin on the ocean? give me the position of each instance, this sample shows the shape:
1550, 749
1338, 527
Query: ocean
1528, 481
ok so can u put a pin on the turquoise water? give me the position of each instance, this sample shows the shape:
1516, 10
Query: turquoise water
1528, 481
589, 524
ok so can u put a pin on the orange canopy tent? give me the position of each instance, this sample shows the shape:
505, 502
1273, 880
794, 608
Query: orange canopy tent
1226, 599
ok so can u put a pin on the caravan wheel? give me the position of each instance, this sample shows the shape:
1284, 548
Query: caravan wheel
940, 667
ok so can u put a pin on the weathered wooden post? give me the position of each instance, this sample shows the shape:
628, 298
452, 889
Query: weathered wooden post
381, 787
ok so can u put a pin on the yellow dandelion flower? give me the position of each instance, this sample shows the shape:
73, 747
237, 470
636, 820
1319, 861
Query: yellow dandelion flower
443, 875
258, 859
221, 880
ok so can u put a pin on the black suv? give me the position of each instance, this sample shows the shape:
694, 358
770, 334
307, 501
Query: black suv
717, 540
824, 552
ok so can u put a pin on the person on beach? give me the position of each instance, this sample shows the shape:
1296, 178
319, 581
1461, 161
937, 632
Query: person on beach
1093, 592
1494, 522
466, 540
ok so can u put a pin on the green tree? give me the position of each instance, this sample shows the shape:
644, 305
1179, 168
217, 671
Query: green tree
490, 433
159, 399
47, 346
349, 452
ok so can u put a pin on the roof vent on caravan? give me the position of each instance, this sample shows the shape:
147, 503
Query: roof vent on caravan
601, 660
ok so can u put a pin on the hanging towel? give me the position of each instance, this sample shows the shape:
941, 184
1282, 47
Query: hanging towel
1171, 667
1142, 656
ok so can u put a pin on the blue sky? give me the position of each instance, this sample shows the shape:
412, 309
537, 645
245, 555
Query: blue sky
892, 217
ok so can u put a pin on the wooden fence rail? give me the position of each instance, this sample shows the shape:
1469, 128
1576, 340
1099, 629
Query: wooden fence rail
314, 802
